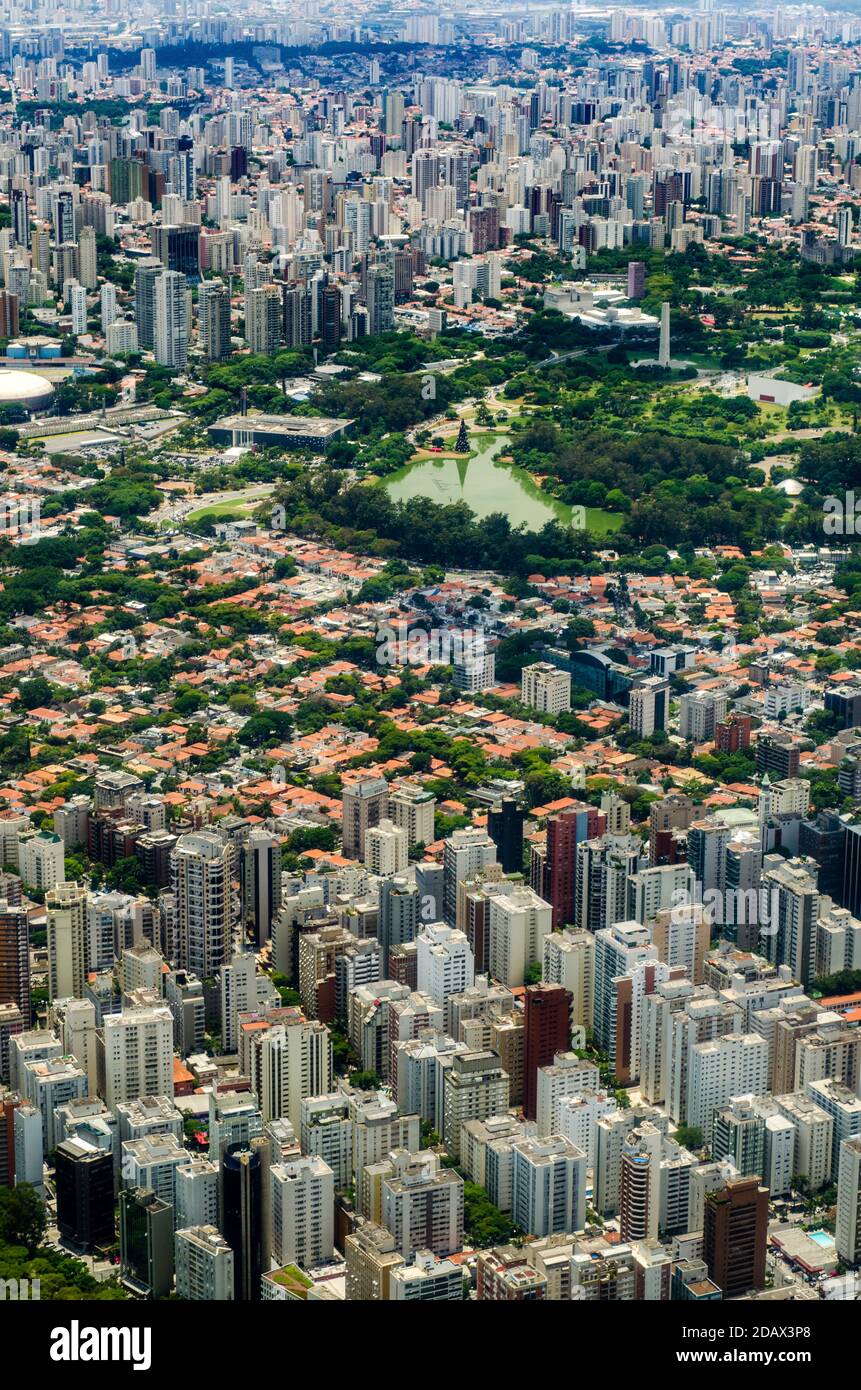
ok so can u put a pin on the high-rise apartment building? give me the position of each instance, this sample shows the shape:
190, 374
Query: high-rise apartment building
303, 1212
554, 873
518, 923
68, 956
547, 1030
736, 1235
626, 968
364, 804
371, 1257
15, 960
422, 1204
465, 853
545, 688
137, 1056
171, 319
848, 1228
548, 1186
411, 808
475, 1086
446, 965
148, 272
260, 873
386, 850
204, 1265
263, 310
201, 870
213, 303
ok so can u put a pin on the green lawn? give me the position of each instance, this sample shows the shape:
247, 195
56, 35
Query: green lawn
602, 523
220, 510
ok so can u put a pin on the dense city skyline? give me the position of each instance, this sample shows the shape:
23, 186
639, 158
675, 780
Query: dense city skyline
430, 619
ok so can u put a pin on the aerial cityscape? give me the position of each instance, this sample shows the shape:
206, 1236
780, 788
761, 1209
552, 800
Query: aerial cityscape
430, 655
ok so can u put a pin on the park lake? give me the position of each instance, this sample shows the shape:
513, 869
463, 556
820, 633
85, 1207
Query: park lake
488, 486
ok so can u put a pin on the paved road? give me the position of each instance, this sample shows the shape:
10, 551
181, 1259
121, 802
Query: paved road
176, 511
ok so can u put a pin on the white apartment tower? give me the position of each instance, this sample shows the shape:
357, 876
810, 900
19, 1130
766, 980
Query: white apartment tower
138, 1054
849, 1202
411, 808
386, 850
519, 923
204, 1265
445, 963
548, 1186
568, 959
545, 688
303, 1212
68, 963
734, 1065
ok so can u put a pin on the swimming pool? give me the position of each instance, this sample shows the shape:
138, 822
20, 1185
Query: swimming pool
822, 1238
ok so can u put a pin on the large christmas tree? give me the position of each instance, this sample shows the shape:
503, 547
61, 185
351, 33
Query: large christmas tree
462, 445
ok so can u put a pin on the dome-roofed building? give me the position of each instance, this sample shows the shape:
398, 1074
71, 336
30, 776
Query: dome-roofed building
27, 389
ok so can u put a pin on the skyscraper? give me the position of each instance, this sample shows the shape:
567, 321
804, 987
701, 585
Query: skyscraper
648, 705
364, 804
547, 1029
213, 302
505, 828
380, 298
330, 317
87, 268
68, 959
147, 274
20, 216
201, 866
296, 312
636, 278
735, 1236
15, 959
260, 873
664, 342
242, 1204
84, 1183
558, 869
394, 114
171, 319
146, 1243
263, 319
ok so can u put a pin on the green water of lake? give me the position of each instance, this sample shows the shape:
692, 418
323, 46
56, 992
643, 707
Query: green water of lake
486, 486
